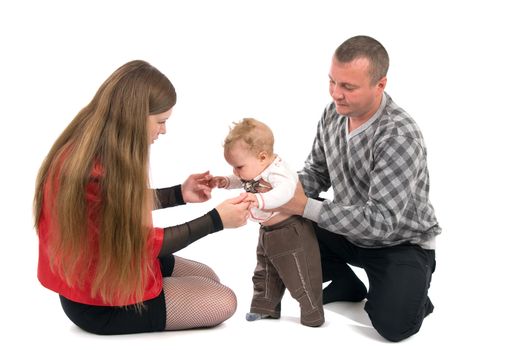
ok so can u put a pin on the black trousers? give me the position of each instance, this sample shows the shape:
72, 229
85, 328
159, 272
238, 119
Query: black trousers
398, 276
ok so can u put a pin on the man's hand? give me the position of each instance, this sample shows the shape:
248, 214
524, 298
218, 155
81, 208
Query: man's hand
196, 188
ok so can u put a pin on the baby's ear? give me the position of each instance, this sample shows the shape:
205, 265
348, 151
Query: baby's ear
262, 155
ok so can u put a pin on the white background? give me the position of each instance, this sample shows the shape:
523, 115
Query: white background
456, 67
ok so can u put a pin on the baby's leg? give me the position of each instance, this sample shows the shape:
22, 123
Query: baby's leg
268, 289
295, 254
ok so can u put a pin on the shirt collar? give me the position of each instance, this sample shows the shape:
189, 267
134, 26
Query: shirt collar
365, 126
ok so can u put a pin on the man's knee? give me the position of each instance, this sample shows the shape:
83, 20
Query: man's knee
395, 331
394, 327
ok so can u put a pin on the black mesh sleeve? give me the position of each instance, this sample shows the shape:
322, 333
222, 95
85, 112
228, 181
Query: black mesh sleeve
180, 236
170, 196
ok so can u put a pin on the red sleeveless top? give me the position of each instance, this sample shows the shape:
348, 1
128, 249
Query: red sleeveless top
53, 281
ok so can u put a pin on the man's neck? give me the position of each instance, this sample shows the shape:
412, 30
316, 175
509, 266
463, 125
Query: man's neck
355, 122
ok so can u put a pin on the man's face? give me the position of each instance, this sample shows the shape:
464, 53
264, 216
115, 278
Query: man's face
350, 87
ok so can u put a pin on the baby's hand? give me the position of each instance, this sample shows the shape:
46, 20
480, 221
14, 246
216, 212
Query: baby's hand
252, 199
218, 181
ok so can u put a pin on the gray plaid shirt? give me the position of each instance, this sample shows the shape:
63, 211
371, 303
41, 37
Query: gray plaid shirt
379, 178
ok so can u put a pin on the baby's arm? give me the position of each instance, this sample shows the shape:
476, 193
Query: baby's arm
218, 181
227, 182
283, 189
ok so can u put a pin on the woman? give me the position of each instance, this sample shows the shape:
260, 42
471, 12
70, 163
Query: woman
98, 249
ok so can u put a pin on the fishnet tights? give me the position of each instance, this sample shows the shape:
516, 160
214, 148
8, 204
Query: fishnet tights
186, 267
195, 298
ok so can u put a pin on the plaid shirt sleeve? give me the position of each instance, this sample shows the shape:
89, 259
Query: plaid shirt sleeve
314, 176
396, 168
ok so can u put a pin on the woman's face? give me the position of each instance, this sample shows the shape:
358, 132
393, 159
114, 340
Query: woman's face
157, 124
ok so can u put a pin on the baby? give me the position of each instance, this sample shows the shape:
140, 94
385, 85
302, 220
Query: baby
287, 250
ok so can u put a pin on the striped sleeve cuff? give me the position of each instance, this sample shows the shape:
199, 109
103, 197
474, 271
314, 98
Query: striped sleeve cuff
312, 210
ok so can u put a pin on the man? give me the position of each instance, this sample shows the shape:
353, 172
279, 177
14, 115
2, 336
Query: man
373, 156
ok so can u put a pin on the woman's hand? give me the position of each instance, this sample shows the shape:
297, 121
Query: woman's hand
234, 211
196, 188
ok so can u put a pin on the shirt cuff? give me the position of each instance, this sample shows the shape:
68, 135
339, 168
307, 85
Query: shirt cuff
312, 210
260, 201
178, 195
216, 219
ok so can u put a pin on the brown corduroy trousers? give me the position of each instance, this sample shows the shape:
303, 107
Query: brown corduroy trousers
288, 257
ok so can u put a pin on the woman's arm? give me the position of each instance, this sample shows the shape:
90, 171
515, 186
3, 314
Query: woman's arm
229, 214
169, 196
180, 236
195, 189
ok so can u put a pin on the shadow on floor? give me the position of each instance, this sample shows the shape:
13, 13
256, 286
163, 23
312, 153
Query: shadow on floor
356, 312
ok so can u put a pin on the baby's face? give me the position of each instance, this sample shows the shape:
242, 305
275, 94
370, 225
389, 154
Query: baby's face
245, 164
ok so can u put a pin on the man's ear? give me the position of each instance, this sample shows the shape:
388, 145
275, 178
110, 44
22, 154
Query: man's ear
381, 84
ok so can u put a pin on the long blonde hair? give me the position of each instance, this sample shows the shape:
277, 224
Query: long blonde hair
110, 132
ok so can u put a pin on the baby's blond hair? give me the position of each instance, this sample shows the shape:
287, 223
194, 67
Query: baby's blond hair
257, 136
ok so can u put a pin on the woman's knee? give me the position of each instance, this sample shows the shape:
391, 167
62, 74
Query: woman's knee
187, 267
224, 304
231, 302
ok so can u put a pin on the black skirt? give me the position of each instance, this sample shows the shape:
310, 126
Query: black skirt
109, 320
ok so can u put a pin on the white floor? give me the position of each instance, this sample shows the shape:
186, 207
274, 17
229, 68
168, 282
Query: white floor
456, 67
466, 313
